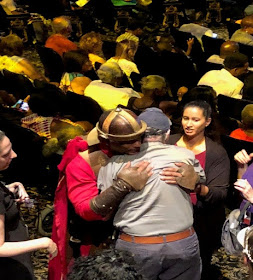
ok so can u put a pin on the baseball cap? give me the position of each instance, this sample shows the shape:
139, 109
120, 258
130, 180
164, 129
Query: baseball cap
155, 118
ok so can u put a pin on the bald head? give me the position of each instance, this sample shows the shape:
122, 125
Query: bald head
62, 25
228, 48
247, 24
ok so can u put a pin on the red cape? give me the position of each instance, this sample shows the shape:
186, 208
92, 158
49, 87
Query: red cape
57, 268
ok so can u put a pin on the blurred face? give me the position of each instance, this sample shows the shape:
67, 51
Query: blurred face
126, 147
194, 122
242, 70
138, 32
97, 45
166, 44
161, 92
68, 30
6, 153
87, 66
250, 29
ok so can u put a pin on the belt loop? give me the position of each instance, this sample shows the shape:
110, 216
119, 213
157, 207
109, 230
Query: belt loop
191, 230
164, 239
132, 238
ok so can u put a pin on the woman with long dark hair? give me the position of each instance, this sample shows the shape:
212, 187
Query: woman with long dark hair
208, 203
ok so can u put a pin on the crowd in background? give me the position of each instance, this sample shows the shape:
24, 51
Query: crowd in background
145, 96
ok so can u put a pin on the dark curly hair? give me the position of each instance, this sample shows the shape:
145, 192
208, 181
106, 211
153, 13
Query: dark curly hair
108, 264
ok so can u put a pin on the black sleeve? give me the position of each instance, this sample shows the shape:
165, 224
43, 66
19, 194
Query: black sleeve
217, 175
2, 207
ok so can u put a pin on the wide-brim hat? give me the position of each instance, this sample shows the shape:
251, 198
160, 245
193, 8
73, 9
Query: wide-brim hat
117, 125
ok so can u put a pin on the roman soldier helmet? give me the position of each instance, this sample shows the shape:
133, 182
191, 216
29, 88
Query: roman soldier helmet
120, 125
117, 125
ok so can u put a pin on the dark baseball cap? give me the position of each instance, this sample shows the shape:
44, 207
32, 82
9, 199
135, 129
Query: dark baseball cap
155, 118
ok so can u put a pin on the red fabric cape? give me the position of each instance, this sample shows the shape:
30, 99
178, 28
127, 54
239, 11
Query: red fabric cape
57, 268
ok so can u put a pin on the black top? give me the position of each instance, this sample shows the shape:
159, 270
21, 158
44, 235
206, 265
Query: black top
18, 267
209, 212
217, 170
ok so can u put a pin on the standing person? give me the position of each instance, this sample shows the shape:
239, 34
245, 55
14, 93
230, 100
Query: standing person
209, 211
155, 224
77, 191
15, 262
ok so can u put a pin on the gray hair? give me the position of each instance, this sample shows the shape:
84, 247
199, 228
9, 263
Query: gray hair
154, 135
108, 71
2, 135
153, 82
60, 24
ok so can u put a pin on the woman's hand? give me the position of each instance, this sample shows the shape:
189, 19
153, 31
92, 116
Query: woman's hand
243, 157
184, 175
245, 188
18, 190
51, 247
137, 175
190, 43
170, 174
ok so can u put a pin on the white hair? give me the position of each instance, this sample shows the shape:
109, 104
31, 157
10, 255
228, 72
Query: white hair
153, 82
108, 71
61, 24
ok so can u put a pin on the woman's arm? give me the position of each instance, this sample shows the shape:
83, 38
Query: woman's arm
190, 43
9, 249
217, 171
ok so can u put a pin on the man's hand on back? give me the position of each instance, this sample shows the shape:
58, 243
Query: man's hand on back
137, 175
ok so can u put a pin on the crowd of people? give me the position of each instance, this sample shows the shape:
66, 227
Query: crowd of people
143, 170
